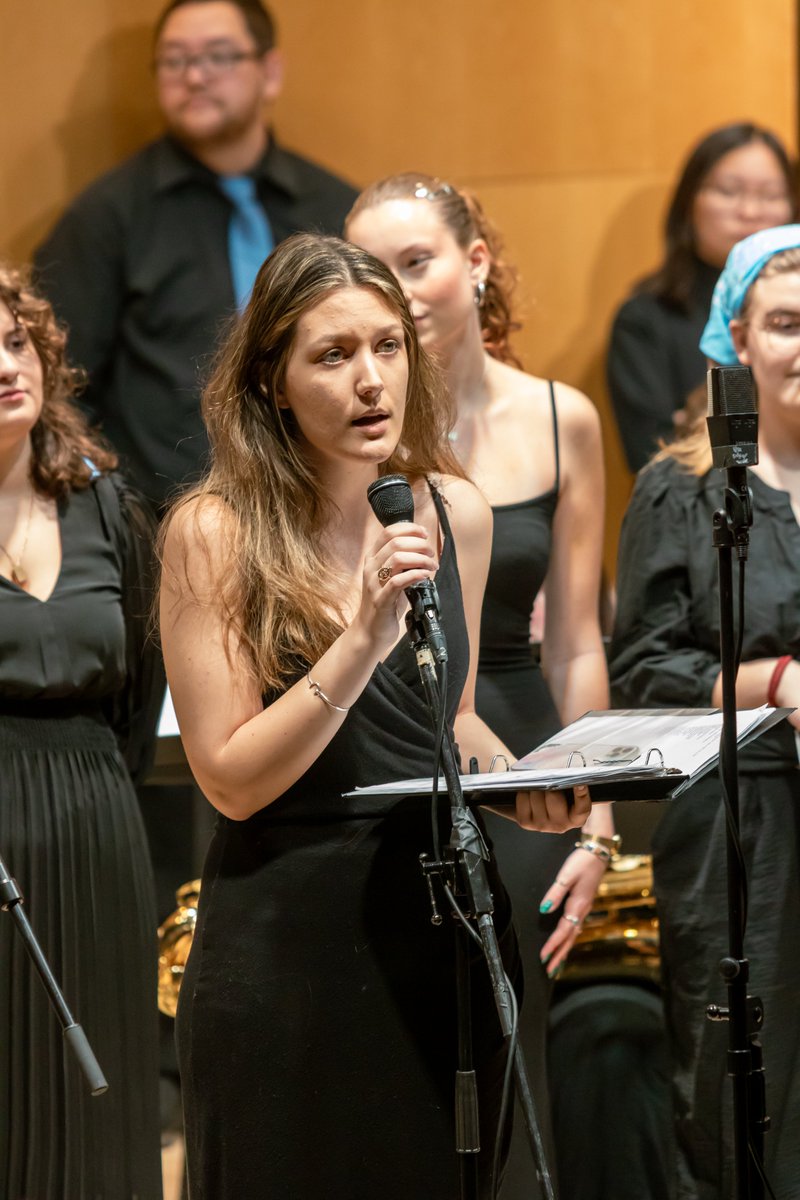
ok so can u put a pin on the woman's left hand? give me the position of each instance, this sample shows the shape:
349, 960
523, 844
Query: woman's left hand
573, 892
553, 812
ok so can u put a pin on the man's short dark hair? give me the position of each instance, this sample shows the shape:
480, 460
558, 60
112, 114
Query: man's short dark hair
258, 19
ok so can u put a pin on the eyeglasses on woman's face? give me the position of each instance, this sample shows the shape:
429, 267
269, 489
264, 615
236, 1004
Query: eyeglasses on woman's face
733, 194
781, 330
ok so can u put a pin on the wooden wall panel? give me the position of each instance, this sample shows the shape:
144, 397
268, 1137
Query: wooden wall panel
568, 117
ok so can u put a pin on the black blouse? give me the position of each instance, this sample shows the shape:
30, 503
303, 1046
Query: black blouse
654, 362
87, 646
665, 648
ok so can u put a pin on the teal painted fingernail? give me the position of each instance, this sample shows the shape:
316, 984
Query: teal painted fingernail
545, 906
556, 971
545, 959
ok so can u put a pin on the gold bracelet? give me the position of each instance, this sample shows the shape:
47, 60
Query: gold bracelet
606, 848
317, 690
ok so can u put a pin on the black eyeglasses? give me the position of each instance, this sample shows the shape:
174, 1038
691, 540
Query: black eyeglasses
174, 64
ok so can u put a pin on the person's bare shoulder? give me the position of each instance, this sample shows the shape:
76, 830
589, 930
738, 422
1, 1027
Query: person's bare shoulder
198, 544
578, 420
531, 397
469, 513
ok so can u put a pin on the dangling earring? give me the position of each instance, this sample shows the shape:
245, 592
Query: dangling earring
480, 293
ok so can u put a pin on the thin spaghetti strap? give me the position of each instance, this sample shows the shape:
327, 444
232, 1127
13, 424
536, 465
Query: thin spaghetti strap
441, 512
557, 485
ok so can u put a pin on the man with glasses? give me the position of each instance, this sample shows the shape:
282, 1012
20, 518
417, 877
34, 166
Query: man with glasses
145, 265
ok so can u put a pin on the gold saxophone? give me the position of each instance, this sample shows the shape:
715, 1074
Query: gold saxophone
174, 943
619, 938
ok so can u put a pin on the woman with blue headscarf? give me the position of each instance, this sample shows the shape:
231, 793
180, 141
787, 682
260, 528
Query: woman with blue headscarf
665, 653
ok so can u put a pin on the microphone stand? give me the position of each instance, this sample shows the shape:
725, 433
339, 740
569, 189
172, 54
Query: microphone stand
74, 1036
464, 867
744, 1013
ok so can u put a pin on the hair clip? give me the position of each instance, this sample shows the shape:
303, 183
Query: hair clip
423, 192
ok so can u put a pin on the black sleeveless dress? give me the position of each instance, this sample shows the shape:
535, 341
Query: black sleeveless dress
515, 702
71, 834
316, 1026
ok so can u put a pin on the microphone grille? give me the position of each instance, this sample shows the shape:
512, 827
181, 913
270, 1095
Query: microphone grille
391, 499
730, 391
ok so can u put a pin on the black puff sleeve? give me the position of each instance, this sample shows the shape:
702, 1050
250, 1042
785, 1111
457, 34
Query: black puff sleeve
664, 650
134, 711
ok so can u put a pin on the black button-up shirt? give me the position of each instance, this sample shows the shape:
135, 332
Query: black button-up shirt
665, 648
138, 270
654, 362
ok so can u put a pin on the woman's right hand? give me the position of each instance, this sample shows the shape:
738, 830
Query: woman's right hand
402, 556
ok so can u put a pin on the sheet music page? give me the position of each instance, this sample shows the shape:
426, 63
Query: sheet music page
682, 739
505, 781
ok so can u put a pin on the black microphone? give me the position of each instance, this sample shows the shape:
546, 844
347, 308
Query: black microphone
732, 417
392, 500
733, 433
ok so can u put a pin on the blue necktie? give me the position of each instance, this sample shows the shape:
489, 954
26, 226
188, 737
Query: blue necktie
250, 238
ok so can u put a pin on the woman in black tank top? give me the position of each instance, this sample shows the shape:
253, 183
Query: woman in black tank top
534, 450
315, 1027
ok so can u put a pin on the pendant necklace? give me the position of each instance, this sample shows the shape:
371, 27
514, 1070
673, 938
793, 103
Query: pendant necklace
19, 575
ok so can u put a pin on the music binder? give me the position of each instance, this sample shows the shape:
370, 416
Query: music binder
622, 754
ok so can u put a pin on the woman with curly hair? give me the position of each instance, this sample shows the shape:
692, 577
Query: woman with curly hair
316, 1025
76, 705
533, 448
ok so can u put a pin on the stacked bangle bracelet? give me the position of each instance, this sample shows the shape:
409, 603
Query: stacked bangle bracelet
606, 848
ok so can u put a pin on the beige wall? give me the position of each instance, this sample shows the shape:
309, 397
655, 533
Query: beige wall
568, 117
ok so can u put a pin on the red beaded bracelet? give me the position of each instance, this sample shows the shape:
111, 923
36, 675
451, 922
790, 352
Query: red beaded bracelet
775, 678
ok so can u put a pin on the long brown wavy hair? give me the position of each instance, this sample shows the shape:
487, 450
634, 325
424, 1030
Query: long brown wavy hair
278, 590
692, 448
61, 439
461, 212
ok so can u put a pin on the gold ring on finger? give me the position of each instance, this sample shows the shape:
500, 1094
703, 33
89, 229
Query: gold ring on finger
383, 574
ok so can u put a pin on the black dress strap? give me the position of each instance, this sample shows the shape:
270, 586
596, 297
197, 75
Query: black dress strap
557, 485
441, 510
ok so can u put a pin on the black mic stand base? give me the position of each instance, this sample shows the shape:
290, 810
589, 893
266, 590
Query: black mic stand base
465, 873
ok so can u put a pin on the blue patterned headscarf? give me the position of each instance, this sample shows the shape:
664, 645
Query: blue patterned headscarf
745, 263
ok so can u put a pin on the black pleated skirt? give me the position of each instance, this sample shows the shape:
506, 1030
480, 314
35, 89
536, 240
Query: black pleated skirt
71, 835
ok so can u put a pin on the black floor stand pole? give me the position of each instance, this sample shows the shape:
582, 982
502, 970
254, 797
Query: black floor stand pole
470, 855
468, 1142
11, 902
744, 1013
